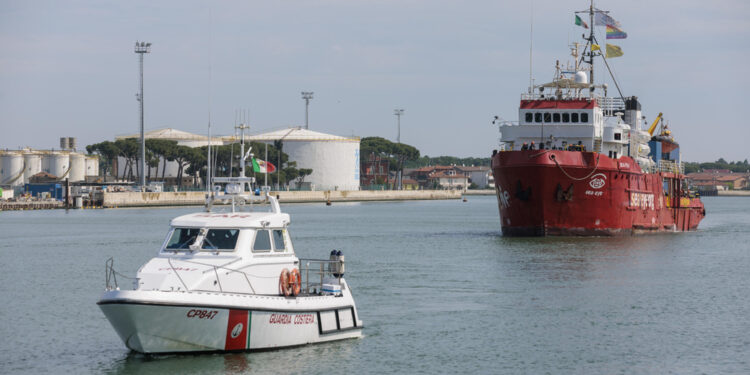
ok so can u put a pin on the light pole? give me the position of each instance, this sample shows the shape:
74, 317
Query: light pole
140, 49
398, 113
307, 95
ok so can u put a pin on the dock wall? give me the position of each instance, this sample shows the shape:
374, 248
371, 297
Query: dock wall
734, 193
193, 198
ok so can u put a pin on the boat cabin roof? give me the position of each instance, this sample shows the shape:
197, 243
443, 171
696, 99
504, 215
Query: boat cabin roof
232, 220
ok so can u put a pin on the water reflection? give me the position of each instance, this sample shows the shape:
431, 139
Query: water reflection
324, 355
563, 259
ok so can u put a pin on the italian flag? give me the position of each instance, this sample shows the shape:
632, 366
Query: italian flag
262, 166
581, 22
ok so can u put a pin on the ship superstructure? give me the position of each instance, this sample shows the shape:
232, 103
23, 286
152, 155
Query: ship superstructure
579, 161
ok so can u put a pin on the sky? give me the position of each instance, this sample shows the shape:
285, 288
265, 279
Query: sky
67, 68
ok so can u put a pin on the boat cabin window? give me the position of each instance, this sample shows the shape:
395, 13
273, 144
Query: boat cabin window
618, 136
555, 117
262, 241
220, 239
584, 117
547, 117
529, 116
574, 117
538, 117
182, 238
278, 240
566, 117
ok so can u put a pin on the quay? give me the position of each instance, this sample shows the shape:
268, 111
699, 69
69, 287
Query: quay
30, 205
196, 198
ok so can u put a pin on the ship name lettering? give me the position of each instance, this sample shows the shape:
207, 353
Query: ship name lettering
502, 197
304, 319
642, 200
202, 314
280, 319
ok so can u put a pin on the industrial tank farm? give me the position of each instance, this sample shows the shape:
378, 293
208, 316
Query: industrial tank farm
333, 159
11, 168
18, 166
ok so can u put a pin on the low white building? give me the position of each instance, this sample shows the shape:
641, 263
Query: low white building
481, 176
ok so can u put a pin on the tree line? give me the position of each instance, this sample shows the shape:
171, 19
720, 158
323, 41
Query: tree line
192, 160
734, 166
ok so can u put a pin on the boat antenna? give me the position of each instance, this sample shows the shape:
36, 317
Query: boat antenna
531, 47
208, 156
591, 50
242, 126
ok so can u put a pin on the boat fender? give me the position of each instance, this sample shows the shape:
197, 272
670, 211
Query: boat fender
295, 281
284, 287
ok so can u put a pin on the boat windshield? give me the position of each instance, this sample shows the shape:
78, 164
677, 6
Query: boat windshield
182, 238
220, 239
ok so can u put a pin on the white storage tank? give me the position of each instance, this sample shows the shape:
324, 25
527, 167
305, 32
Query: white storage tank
77, 167
59, 163
333, 159
33, 163
11, 168
92, 166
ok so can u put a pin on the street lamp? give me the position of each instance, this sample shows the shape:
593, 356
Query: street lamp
140, 49
398, 113
307, 95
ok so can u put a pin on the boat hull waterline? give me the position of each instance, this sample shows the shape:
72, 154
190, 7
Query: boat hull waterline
171, 322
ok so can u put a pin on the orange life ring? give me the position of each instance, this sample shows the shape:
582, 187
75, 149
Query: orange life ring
295, 281
284, 287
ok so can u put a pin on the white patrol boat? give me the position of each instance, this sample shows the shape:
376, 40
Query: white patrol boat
231, 282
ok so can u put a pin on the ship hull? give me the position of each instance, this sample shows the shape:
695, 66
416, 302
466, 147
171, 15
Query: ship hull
175, 322
573, 193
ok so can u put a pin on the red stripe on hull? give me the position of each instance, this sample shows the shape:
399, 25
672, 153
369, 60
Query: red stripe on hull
237, 330
554, 192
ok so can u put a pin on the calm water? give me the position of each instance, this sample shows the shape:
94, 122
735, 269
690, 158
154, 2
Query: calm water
439, 291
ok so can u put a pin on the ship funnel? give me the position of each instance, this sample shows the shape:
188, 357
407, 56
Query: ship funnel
581, 77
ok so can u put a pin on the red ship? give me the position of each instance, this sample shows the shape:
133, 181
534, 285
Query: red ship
581, 163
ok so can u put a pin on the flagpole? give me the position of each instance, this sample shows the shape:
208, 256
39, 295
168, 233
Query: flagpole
265, 175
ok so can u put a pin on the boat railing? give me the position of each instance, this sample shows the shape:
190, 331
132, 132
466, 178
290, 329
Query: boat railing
313, 272
320, 269
671, 166
110, 275
611, 105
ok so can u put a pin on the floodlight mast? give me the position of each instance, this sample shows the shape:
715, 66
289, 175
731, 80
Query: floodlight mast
142, 48
398, 113
307, 96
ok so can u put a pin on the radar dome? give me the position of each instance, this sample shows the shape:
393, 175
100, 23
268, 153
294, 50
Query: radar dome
581, 77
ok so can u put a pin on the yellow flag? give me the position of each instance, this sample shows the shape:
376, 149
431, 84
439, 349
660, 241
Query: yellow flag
595, 47
613, 51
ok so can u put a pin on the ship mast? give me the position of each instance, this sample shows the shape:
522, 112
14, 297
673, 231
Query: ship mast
591, 49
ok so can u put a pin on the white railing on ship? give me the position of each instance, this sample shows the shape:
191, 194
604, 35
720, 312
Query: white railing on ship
334, 269
611, 104
670, 166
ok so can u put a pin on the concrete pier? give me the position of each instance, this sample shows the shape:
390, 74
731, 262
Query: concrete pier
197, 198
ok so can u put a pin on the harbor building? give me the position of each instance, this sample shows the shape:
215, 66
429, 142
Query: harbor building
334, 160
